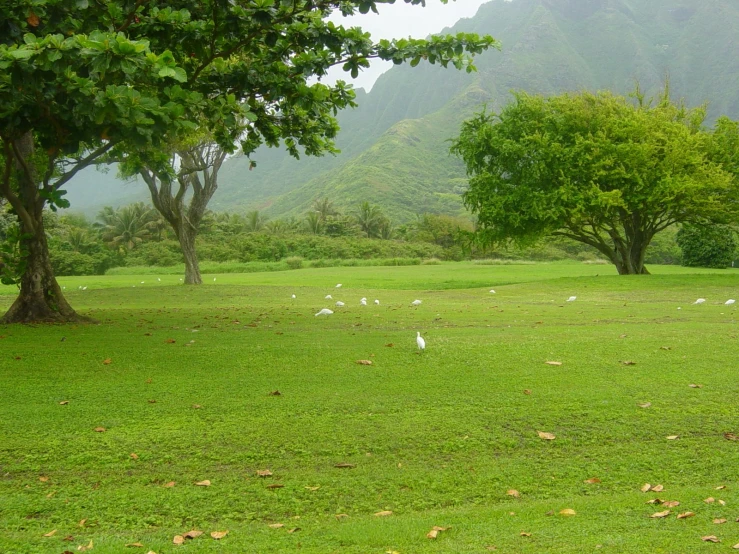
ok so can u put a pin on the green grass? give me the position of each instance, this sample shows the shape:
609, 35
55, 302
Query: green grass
436, 438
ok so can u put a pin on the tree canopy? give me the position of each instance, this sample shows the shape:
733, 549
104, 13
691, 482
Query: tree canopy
599, 169
81, 80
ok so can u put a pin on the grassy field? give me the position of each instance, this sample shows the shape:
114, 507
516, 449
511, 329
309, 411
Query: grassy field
180, 380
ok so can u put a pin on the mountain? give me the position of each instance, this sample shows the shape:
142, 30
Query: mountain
394, 145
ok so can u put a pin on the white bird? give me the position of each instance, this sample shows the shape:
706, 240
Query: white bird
363, 301
158, 279
572, 299
339, 303
64, 288
214, 279
420, 342
699, 301
142, 282
416, 302
84, 288
79, 288
338, 286
729, 302
324, 311
329, 297
377, 302
293, 297
492, 291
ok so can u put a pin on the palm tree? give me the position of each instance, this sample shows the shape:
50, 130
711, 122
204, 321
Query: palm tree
128, 226
325, 208
386, 230
313, 223
254, 221
369, 218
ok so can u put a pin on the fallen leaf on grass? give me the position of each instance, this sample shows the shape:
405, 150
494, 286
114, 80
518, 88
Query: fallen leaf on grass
731, 436
82, 522
196, 406
685, 515
628, 362
218, 535
194, 534
152, 401
645, 405
553, 363
514, 493
592, 480
313, 488
341, 516
344, 465
99, 429
390, 345
719, 520
134, 544
710, 538
665, 348
275, 393
722, 502
51, 494
264, 473
658, 515
205, 483
43, 478
646, 487
169, 485
64, 402
546, 436
720, 487
435, 532
276, 525
134, 456
672, 437
383, 513
525, 534
83, 548
170, 341
293, 530
709, 500
527, 391
694, 386
178, 539
657, 488
50, 533
567, 512
275, 486
364, 362
671, 504
656, 501
107, 361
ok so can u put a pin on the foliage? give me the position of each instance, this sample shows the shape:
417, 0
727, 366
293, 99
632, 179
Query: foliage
707, 245
128, 226
596, 169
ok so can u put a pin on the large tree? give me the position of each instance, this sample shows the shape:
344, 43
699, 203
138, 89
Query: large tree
601, 169
80, 80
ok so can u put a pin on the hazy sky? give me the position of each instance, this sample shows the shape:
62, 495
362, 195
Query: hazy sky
401, 20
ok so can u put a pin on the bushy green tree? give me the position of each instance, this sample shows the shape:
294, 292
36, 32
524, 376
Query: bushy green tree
707, 245
598, 169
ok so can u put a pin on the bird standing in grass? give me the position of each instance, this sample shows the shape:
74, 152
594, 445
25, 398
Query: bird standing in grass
729, 302
572, 299
699, 301
363, 301
324, 311
377, 302
420, 342
416, 303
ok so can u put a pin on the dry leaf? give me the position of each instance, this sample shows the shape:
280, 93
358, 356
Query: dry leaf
152, 401
731, 437
671, 504
264, 473
276, 525
432, 534
720, 487
646, 487
710, 500
665, 348
341, 516
592, 480
52, 493
194, 534
170, 341
50, 533
553, 363
546, 436
722, 502
313, 488
196, 406
645, 405
710, 538
657, 488
205, 483
107, 361
218, 535
134, 456
628, 362
364, 362
43, 478
99, 429
685, 515
719, 520
64, 402
178, 539
390, 345
672, 437
525, 534
694, 386
658, 515
293, 530
275, 486
344, 465
134, 544
527, 391
82, 522
656, 501
275, 393
514, 493
83, 548
169, 485
383, 513
567, 512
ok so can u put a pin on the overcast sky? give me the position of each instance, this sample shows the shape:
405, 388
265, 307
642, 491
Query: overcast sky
401, 20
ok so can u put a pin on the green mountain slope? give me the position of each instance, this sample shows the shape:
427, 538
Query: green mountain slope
394, 149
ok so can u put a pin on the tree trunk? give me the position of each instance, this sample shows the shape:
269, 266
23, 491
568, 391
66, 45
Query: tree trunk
40, 298
186, 237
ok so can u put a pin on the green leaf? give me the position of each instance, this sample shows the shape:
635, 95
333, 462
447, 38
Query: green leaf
21, 54
167, 72
180, 75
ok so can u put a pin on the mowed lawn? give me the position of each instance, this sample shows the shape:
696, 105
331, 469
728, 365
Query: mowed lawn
183, 381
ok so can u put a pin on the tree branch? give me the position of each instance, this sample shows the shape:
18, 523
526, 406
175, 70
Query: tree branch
130, 17
82, 164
